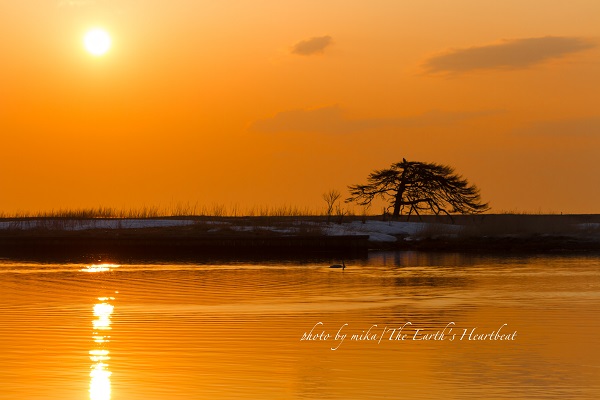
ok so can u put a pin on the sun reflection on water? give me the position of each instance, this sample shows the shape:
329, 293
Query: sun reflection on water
103, 312
100, 386
99, 267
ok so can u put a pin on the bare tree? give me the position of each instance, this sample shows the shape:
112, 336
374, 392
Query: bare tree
330, 198
412, 186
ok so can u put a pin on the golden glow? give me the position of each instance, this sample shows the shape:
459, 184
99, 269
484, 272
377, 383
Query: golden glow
101, 339
100, 268
103, 312
97, 42
100, 385
99, 355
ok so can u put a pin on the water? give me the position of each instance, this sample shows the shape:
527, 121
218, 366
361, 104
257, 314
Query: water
185, 331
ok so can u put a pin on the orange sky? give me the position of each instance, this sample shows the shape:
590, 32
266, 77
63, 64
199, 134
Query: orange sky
275, 102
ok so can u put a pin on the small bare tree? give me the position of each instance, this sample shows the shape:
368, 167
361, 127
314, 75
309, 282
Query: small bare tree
331, 197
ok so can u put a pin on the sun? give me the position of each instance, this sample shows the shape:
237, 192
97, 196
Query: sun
97, 42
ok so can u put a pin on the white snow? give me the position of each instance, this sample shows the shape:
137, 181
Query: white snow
378, 231
589, 225
252, 228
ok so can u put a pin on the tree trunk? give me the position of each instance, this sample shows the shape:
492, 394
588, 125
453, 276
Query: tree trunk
397, 204
399, 194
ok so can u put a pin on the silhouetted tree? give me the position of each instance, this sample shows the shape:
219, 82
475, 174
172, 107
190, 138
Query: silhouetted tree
419, 187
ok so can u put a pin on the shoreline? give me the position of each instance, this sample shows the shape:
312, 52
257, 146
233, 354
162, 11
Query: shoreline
156, 246
298, 237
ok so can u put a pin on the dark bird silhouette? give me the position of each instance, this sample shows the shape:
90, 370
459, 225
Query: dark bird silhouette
342, 266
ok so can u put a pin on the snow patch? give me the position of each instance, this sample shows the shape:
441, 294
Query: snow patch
378, 231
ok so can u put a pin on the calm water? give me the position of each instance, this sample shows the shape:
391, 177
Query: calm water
185, 331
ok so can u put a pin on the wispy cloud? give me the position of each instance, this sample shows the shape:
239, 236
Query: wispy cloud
508, 54
587, 126
315, 45
332, 120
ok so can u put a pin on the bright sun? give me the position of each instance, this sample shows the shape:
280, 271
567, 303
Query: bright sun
97, 42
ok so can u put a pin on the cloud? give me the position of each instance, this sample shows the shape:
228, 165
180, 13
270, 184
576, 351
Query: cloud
333, 120
509, 54
587, 126
312, 46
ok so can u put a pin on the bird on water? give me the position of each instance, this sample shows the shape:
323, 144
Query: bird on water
342, 266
